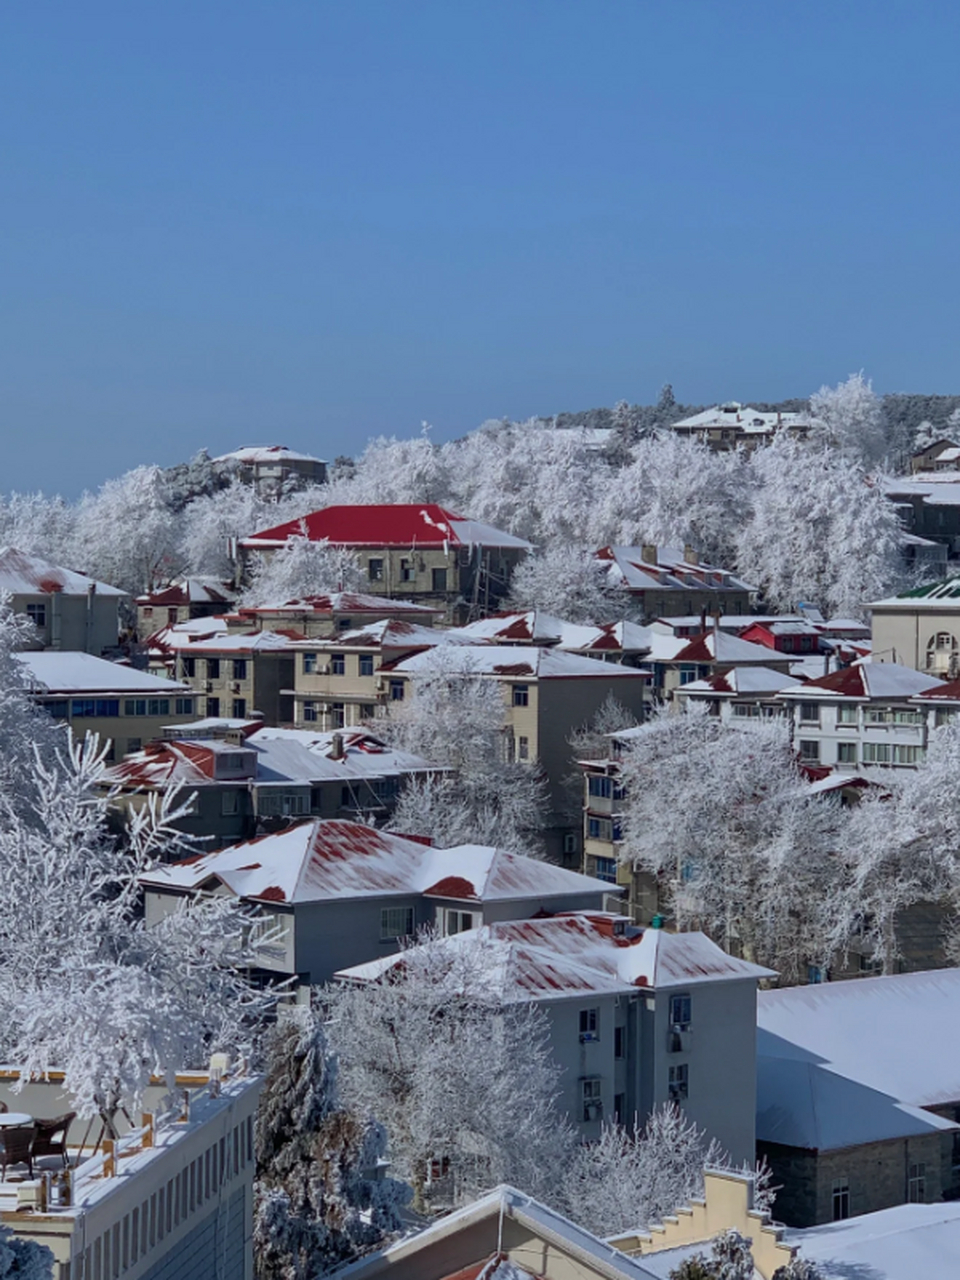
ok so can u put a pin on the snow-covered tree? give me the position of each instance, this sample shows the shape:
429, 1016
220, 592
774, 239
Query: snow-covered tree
849, 417
128, 533
455, 717
725, 858
926, 435
729, 1259
318, 1202
302, 568
212, 520
38, 525
820, 532
462, 1081
568, 582
24, 1259
799, 1269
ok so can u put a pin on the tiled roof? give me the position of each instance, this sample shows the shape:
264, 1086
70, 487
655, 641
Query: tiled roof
401, 525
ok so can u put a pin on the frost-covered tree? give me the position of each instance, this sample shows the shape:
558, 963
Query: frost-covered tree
24, 1259
748, 855
318, 1202
568, 582
926, 434
799, 1269
462, 1080
820, 532
127, 533
849, 417
455, 717
729, 1259
38, 525
212, 521
302, 567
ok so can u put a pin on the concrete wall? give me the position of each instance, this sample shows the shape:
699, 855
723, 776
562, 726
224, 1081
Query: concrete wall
127, 733
88, 624
903, 633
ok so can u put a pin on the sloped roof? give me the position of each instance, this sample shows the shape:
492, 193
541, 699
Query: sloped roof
23, 574
63, 671
389, 633
907, 1242
254, 453
343, 602
720, 646
742, 680
424, 524
608, 637
530, 627
933, 595
190, 591
871, 680
869, 1032
672, 571
529, 661
242, 642
326, 861
577, 953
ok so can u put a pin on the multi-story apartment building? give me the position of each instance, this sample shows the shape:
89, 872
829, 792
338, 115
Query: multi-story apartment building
548, 696
69, 610
418, 551
742, 693
182, 601
124, 706
662, 581
173, 1199
920, 628
269, 467
234, 675
638, 1017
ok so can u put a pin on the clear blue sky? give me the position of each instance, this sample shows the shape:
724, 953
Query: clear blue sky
229, 223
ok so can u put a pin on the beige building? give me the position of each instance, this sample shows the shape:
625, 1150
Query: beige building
669, 581
270, 467
416, 551
182, 602
548, 695
68, 610
235, 676
920, 628
125, 707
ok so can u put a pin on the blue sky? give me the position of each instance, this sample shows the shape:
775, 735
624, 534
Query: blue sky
229, 223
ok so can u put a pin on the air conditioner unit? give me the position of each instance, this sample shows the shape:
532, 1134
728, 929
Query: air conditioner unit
235, 686
678, 1039
589, 1037
323, 670
593, 1111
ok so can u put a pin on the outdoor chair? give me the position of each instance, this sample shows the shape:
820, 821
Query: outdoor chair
17, 1147
3, 1108
51, 1139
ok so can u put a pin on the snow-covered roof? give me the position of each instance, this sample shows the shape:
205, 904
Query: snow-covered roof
934, 596
530, 627
842, 1063
280, 756
573, 954
531, 661
907, 1242
23, 574
868, 680
242, 642
934, 490
199, 590
480, 1225
670, 570
68, 671
742, 680
609, 637
343, 602
410, 525
389, 633
742, 417
721, 647
323, 861
252, 454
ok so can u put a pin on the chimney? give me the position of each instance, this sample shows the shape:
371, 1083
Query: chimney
648, 553
336, 748
690, 554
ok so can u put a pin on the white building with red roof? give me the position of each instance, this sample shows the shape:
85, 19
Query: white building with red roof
638, 1017
344, 892
418, 551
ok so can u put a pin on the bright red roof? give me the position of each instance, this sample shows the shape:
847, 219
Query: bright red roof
423, 524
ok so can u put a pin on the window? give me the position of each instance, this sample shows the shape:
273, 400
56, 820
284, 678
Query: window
239, 668
439, 579
173, 617
184, 706
309, 664
846, 753
847, 714
37, 613
395, 922
570, 842
213, 707
746, 709
239, 711
407, 572
605, 869
876, 753
338, 665
619, 1042
679, 1082
59, 708
809, 713
591, 1102
310, 712
95, 707
134, 744
148, 611
366, 664
841, 1199
814, 974
521, 695
396, 690
942, 716
809, 752
908, 755
213, 668
599, 829
457, 921
189, 667
917, 1184
680, 1012
523, 748
146, 707
600, 787
344, 624
589, 1025
375, 569
687, 674
338, 714
229, 803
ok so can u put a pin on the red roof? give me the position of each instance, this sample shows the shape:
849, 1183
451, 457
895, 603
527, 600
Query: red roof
423, 524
